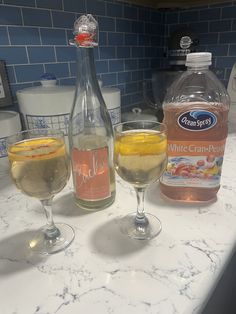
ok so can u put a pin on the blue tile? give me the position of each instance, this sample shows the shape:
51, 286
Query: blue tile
131, 64
11, 74
137, 76
102, 39
116, 65
229, 12
137, 98
228, 37
234, 25
3, 36
172, 17
137, 27
218, 50
13, 55
24, 35
148, 73
225, 62
101, 66
74, 6
41, 54
157, 41
175, 27
10, 16
131, 87
150, 52
210, 14
220, 26
123, 25
143, 14
116, 39
63, 19
109, 79
126, 100
232, 50
137, 52
114, 10
208, 38
29, 73
106, 24
200, 27
130, 12
124, 77
188, 16
131, 39
151, 28
157, 16
123, 52
59, 69
107, 52
143, 40
143, 64
54, 36
96, 7
65, 54
36, 17
96, 53
28, 3
52, 4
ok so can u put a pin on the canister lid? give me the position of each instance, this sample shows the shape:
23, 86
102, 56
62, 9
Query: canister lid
48, 86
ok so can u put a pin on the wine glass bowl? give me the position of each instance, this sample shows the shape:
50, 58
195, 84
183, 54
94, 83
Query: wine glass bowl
140, 159
40, 168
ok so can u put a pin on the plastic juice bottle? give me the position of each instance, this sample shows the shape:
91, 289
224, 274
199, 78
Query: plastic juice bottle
196, 113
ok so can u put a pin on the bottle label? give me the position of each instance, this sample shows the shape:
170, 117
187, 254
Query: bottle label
91, 174
197, 120
194, 164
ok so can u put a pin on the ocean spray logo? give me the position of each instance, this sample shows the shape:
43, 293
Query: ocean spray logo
197, 120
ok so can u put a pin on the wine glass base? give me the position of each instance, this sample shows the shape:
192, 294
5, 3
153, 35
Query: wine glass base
139, 231
41, 244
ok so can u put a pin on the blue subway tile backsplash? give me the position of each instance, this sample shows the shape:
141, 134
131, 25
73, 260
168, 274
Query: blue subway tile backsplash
34, 38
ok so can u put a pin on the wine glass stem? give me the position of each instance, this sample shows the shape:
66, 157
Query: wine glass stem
51, 232
140, 215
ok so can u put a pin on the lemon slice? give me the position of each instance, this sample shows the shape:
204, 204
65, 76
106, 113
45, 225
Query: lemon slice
39, 148
141, 143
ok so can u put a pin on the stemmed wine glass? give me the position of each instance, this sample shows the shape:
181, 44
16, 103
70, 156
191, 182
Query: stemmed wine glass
140, 158
40, 168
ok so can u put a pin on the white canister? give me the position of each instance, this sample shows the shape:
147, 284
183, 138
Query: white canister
46, 106
9, 124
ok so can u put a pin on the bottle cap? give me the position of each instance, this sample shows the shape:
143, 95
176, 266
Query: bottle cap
86, 31
196, 59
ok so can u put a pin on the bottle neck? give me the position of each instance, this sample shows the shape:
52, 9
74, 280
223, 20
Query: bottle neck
198, 68
86, 72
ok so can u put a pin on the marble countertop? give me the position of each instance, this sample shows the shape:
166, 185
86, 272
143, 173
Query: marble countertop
105, 272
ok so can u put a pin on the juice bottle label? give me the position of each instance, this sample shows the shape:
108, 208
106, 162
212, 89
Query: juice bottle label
194, 164
91, 174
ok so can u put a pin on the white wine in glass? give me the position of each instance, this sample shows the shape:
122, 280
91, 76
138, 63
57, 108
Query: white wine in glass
40, 168
140, 158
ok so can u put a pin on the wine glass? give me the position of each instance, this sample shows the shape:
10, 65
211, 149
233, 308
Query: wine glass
140, 158
40, 168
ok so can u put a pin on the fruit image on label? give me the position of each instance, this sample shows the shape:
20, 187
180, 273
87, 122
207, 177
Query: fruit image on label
91, 173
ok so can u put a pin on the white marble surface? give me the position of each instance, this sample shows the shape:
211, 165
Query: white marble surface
103, 271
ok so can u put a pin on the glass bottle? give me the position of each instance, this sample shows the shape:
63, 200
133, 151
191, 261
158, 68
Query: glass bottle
90, 127
196, 114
